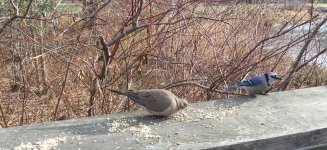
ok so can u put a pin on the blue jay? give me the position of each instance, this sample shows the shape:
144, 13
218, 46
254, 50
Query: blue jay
158, 102
258, 84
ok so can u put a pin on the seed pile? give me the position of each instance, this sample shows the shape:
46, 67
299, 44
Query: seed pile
191, 114
46, 144
140, 131
118, 126
143, 132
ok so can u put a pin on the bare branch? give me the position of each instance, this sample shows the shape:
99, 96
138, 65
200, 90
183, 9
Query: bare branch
62, 89
106, 57
3, 117
295, 66
311, 59
200, 86
14, 17
15, 7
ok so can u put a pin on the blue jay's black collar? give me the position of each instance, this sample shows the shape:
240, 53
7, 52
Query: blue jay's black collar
267, 79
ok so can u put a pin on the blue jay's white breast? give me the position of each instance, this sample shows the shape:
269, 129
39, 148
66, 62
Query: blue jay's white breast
257, 89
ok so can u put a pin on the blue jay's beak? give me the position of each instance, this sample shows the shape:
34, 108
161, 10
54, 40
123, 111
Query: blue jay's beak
278, 78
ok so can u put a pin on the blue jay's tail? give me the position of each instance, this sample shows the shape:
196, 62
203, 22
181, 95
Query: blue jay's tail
233, 87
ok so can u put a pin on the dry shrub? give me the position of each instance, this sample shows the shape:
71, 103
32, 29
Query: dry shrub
212, 45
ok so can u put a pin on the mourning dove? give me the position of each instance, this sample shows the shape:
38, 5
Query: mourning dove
158, 102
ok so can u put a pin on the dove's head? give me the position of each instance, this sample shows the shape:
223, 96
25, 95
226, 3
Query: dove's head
182, 103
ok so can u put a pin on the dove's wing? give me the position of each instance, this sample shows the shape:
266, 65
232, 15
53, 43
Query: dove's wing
156, 100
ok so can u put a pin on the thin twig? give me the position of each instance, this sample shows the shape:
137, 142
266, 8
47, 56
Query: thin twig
14, 17
3, 117
200, 86
62, 89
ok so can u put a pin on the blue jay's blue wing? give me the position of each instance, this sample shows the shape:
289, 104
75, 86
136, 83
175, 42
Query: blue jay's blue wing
251, 82
257, 80
135, 98
246, 83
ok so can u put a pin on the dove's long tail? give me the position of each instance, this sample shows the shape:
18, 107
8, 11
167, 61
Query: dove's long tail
116, 91
130, 95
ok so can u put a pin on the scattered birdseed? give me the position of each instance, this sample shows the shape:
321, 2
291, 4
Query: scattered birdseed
143, 131
117, 126
46, 144
191, 114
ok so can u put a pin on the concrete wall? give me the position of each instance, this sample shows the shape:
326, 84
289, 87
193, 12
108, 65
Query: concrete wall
282, 120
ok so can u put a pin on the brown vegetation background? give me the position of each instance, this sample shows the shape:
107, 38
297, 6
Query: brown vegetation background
58, 57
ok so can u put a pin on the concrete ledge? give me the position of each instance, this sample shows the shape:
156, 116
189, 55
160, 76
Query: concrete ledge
294, 119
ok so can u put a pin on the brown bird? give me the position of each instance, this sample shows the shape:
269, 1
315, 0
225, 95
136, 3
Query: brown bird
158, 102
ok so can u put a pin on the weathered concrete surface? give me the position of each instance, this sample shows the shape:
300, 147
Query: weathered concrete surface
282, 120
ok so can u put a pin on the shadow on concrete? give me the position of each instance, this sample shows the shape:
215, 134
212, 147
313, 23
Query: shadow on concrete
118, 123
101, 127
236, 101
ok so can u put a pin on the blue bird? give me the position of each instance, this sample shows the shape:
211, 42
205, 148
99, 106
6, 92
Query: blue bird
258, 84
